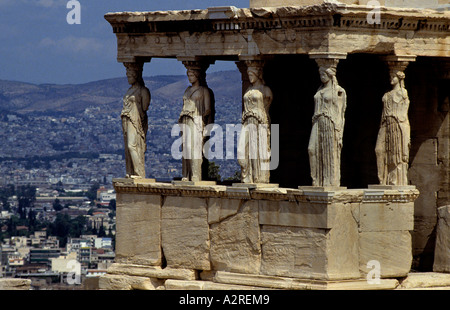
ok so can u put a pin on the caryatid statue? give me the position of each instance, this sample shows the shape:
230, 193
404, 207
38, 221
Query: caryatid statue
135, 121
254, 142
393, 141
197, 113
328, 121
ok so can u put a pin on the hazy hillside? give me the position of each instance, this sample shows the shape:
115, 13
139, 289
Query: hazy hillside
26, 98
46, 126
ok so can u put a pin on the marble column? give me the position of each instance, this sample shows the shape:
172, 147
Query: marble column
197, 113
394, 137
254, 141
325, 144
134, 119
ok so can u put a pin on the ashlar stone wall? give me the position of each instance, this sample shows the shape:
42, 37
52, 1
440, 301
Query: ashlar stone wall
215, 233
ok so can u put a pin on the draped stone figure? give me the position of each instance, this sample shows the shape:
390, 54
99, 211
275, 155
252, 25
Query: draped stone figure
135, 121
197, 112
328, 121
393, 141
254, 141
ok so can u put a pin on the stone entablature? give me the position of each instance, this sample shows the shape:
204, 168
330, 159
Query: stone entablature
330, 27
389, 3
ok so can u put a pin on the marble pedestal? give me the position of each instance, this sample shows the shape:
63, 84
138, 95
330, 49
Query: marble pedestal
224, 237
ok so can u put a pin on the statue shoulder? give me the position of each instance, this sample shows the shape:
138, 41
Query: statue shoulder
267, 91
145, 92
341, 90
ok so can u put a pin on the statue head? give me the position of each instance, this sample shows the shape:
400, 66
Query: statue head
326, 74
255, 73
327, 69
397, 77
196, 71
134, 73
194, 75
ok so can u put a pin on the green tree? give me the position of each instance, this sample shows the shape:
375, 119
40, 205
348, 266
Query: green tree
6, 192
101, 231
12, 225
59, 187
60, 228
236, 177
112, 204
10, 190
27, 192
26, 196
92, 192
64, 227
24, 204
78, 226
31, 220
94, 230
213, 172
57, 206
5, 204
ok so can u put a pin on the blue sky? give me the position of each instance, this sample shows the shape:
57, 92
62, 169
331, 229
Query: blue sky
39, 46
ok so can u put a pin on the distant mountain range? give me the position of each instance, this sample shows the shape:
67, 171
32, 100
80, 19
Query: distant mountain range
25, 98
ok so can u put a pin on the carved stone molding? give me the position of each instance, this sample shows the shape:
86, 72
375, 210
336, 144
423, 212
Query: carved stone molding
400, 194
333, 56
326, 15
306, 194
228, 33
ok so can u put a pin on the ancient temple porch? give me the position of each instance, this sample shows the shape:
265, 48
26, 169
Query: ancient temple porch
294, 236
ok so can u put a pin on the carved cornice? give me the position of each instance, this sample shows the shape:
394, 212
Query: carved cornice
278, 194
324, 16
390, 196
269, 194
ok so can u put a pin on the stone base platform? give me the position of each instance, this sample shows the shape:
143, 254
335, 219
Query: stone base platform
212, 236
13, 284
426, 280
127, 277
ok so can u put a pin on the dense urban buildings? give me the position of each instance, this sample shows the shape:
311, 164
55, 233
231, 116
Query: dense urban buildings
57, 168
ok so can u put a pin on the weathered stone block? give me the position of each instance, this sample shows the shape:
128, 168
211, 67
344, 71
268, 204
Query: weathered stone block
271, 282
342, 250
185, 232
381, 216
422, 280
152, 271
293, 251
9, 284
138, 239
442, 250
392, 249
219, 209
204, 285
291, 213
124, 282
316, 253
235, 240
